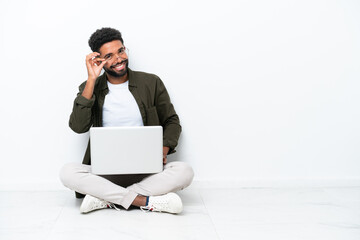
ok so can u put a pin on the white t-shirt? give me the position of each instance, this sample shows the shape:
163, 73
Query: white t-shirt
120, 107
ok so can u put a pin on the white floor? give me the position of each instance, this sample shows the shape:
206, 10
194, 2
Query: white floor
245, 213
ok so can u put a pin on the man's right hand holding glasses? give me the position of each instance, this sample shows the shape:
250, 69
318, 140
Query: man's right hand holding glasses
94, 64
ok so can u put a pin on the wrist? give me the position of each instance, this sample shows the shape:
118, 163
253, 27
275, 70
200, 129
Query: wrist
91, 79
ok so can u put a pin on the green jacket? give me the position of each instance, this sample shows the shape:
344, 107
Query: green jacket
151, 96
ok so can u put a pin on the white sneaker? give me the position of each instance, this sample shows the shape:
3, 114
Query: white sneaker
91, 203
169, 202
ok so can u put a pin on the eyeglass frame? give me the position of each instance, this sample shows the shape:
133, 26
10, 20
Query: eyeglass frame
124, 49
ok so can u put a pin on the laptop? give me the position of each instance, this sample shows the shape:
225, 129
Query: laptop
126, 150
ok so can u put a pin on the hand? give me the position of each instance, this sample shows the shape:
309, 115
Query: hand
94, 64
165, 152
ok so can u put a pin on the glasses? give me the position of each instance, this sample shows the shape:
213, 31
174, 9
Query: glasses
121, 53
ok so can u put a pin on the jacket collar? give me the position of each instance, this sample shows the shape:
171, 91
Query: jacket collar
102, 80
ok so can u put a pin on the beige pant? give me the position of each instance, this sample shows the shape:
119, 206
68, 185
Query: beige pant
123, 189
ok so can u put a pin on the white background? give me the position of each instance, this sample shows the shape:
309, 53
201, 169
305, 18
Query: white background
267, 91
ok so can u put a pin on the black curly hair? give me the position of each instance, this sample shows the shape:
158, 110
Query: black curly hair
102, 36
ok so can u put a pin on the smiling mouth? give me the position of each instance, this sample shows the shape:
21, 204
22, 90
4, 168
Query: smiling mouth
119, 66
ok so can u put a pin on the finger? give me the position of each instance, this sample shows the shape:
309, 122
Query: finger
89, 62
92, 55
98, 59
102, 63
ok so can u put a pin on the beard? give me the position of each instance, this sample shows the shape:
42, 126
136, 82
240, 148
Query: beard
118, 74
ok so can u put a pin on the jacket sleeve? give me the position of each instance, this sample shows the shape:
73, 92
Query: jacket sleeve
81, 118
167, 116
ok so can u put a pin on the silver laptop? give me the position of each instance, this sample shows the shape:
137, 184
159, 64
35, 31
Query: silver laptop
126, 150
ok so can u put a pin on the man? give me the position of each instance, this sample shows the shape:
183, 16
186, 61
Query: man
122, 97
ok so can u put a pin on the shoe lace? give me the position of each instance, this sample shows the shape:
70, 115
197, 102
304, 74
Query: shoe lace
111, 205
146, 208
103, 204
